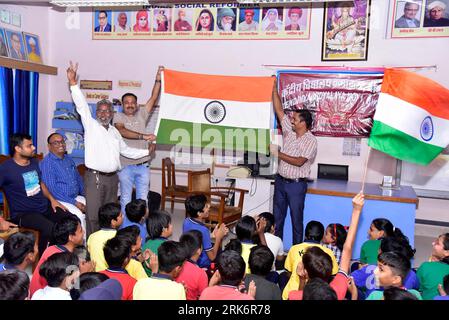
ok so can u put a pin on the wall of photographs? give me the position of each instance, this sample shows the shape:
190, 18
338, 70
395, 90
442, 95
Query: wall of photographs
204, 21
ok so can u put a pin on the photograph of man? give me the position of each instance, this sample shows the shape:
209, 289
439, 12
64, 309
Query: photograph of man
141, 24
409, 19
122, 24
3, 46
249, 20
292, 19
103, 21
183, 23
436, 15
33, 48
226, 19
15, 44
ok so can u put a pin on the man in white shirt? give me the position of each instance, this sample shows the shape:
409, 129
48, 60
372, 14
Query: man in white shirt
103, 146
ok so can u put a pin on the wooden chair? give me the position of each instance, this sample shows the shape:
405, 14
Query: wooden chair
81, 169
220, 211
7, 213
176, 193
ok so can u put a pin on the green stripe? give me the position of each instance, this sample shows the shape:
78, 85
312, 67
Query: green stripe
400, 145
187, 134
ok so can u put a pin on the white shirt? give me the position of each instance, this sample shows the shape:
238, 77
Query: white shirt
102, 147
275, 245
50, 293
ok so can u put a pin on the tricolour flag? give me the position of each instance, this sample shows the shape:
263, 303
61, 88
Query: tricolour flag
223, 112
411, 121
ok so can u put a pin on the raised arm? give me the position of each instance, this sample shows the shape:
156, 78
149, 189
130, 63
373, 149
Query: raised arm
277, 104
156, 90
357, 205
78, 98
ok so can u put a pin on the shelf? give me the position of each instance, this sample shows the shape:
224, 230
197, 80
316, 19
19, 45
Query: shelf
28, 66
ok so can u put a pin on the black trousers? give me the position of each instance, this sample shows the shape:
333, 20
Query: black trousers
43, 222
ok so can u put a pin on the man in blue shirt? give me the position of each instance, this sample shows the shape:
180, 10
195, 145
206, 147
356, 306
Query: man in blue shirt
62, 179
30, 203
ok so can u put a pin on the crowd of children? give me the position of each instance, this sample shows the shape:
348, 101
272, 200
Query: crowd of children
133, 257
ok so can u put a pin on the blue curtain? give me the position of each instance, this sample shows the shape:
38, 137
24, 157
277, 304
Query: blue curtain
18, 104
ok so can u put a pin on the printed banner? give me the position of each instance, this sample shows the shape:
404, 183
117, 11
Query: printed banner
420, 19
190, 21
342, 104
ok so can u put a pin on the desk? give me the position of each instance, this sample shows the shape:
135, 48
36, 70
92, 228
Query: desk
330, 201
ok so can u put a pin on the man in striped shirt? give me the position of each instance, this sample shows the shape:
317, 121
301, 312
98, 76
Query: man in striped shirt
295, 158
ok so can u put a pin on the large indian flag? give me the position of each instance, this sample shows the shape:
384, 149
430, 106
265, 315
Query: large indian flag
411, 121
224, 112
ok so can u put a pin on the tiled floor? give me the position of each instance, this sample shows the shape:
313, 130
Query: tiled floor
424, 235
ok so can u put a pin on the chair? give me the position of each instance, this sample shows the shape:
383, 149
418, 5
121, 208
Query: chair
6, 212
176, 193
81, 169
220, 211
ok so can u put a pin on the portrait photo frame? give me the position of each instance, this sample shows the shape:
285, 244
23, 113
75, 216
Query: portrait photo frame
4, 52
346, 31
33, 47
17, 50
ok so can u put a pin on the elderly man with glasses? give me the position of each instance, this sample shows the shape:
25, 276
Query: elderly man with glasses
103, 146
62, 179
408, 19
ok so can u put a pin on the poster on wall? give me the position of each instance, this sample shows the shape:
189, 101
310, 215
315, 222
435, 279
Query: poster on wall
420, 19
346, 31
199, 21
342, 103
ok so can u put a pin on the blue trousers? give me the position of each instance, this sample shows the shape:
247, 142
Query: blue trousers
130, 176
292, 195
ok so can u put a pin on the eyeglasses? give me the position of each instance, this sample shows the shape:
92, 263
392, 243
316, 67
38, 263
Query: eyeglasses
58, 142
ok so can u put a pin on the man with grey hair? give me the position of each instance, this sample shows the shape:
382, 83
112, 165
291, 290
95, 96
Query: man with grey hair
103, 146
225, 19
408, 20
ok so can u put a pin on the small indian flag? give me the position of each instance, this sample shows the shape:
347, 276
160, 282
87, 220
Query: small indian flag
411, 122
223, 112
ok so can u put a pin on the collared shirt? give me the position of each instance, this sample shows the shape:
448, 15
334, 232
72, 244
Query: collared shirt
137, 123
194, 279
102, 147
158, 287
411, 23
122, 276
224, 292
51, 293
304, 146
191, 224
61, 177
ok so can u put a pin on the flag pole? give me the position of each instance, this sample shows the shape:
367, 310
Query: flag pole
365, 169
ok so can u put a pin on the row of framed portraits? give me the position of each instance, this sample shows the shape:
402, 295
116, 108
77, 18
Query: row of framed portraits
20, 46
204, 21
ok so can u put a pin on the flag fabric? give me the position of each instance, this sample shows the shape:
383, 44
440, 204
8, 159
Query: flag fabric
223, 112
411, 121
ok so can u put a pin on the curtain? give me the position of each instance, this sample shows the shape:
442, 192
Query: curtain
18, 104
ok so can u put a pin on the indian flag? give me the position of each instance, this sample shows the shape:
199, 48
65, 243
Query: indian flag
222, 112
411, 122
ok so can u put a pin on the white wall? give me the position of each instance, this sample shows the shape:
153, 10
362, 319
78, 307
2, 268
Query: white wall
138, 60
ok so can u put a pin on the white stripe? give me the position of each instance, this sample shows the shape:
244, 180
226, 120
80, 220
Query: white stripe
238, 114
407, 117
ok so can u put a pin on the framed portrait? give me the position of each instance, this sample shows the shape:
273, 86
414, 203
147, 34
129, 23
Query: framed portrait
122, 21
103, 21
249, 19
16, 46
141, 21
420, 19
3, 44
33, 47
346, 31
162, 19
183, 19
